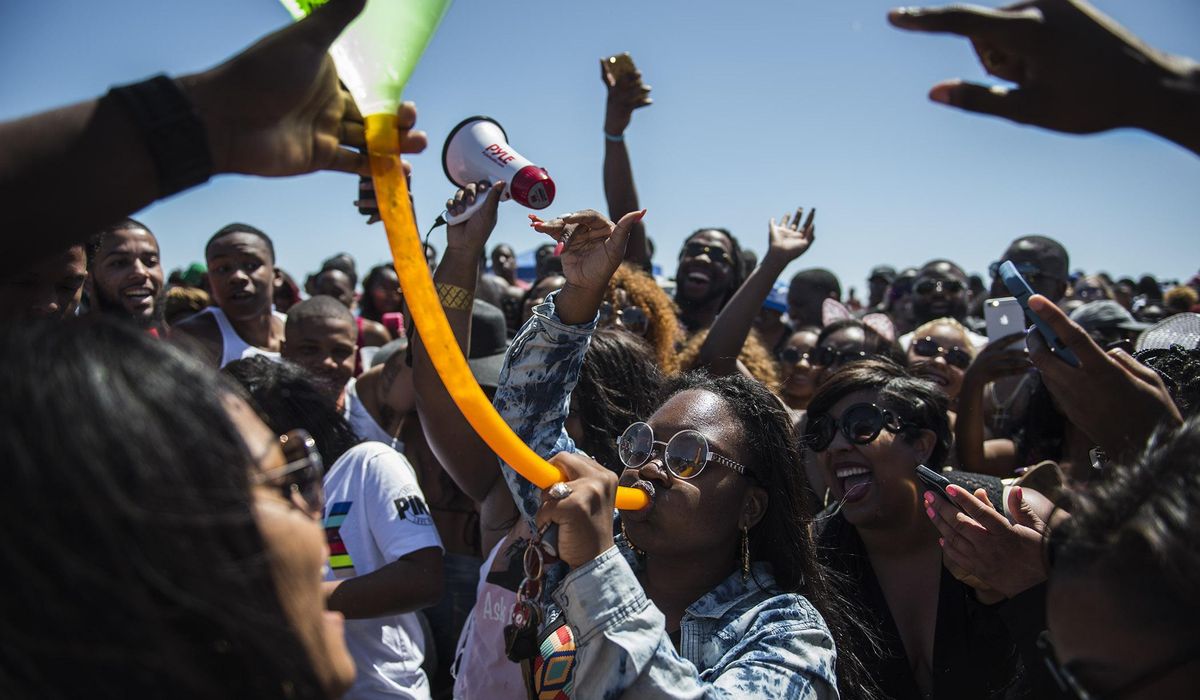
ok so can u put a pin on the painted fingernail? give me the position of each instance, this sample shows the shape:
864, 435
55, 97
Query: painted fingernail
941, 542
929, 512
558, 249
928, 496
951, 489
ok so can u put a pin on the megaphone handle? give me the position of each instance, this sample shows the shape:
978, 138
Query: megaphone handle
470, 210
455, 219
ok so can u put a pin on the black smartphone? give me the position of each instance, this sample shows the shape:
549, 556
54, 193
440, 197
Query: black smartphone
936, 483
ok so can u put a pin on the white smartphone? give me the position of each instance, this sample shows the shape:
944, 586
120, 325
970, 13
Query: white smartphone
1004, 316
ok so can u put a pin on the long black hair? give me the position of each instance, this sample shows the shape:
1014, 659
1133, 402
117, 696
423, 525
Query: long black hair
287, 398
618, 385
139, 570
783, 537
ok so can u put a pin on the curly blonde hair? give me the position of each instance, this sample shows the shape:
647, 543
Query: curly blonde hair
754, 355
663, 333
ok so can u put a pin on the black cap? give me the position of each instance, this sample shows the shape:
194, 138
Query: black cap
489, 343
884, 272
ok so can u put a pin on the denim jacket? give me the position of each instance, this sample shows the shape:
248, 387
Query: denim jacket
743, 639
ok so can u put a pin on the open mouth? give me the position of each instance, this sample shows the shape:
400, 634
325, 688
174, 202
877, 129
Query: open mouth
932, 375
854, 481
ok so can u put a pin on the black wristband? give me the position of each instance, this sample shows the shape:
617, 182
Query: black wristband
172, 131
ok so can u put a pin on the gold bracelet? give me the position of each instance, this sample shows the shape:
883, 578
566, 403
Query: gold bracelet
454, 297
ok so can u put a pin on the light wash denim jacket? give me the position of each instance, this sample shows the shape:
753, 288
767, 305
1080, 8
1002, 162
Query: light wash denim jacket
743, 639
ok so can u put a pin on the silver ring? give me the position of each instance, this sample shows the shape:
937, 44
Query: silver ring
559, 491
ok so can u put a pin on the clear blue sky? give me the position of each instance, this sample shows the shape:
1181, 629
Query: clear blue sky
759, 107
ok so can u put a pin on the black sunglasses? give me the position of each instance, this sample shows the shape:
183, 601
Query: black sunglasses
1071, 685
300, 480
860, 424
956, 356
686, 454
793, 356
630, 318
828, 356
695, 250
930, 286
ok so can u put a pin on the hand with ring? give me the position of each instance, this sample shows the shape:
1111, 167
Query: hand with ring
581, 506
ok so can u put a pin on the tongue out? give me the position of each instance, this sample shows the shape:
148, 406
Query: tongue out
855, 487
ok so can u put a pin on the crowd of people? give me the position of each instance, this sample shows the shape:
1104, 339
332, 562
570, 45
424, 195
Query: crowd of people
230, 484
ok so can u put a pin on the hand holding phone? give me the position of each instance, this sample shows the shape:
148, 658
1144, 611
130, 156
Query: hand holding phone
1022, 291
936, 483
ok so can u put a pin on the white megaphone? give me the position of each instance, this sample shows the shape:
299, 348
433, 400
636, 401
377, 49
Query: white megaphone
477, 149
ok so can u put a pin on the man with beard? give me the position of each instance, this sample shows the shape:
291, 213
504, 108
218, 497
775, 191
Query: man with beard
709, 272
241, 273
125, 276
320, 336
49, 288
940, 291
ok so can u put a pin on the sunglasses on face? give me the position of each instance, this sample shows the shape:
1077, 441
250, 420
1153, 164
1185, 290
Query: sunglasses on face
300, 480
1069, 684
793, 356
630, 318
717, 255
827, 356
955, 357
685, 455
860, 424
926, 287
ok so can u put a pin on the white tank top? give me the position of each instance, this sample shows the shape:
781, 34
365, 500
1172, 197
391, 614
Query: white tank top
481, 669
361, 421
232, 345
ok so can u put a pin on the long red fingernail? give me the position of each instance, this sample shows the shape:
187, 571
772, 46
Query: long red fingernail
558, 249
951, 489
641, 215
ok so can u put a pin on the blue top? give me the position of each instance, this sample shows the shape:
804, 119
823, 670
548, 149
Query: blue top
743, 639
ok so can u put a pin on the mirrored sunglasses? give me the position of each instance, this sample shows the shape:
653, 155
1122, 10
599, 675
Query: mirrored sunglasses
686, 454
695, 250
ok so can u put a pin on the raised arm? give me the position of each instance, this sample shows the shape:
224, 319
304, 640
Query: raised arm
273, 110
624, 95
788, 240
1001, 358
543, 364
465, 456
1076, 70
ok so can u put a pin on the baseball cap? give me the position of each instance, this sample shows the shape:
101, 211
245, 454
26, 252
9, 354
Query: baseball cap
1106, 313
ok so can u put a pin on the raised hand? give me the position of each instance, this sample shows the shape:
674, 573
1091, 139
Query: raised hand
276, 108
982, 548
1001, 358
1077, 71
788, 238
625, 94
472, 235
592, 249
1114, 399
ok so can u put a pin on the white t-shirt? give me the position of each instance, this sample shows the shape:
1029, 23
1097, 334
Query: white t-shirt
375, 513
361, 421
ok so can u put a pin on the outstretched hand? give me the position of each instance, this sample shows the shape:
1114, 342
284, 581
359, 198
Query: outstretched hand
625, 94
789, 239
1076, 70
276, 109
592, 250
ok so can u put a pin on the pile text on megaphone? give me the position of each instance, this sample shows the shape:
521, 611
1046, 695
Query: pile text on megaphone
478, 149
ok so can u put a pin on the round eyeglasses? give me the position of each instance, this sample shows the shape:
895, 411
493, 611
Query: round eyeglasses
685, 454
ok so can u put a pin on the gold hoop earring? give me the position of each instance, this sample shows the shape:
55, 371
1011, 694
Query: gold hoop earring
745, 554
629, 542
